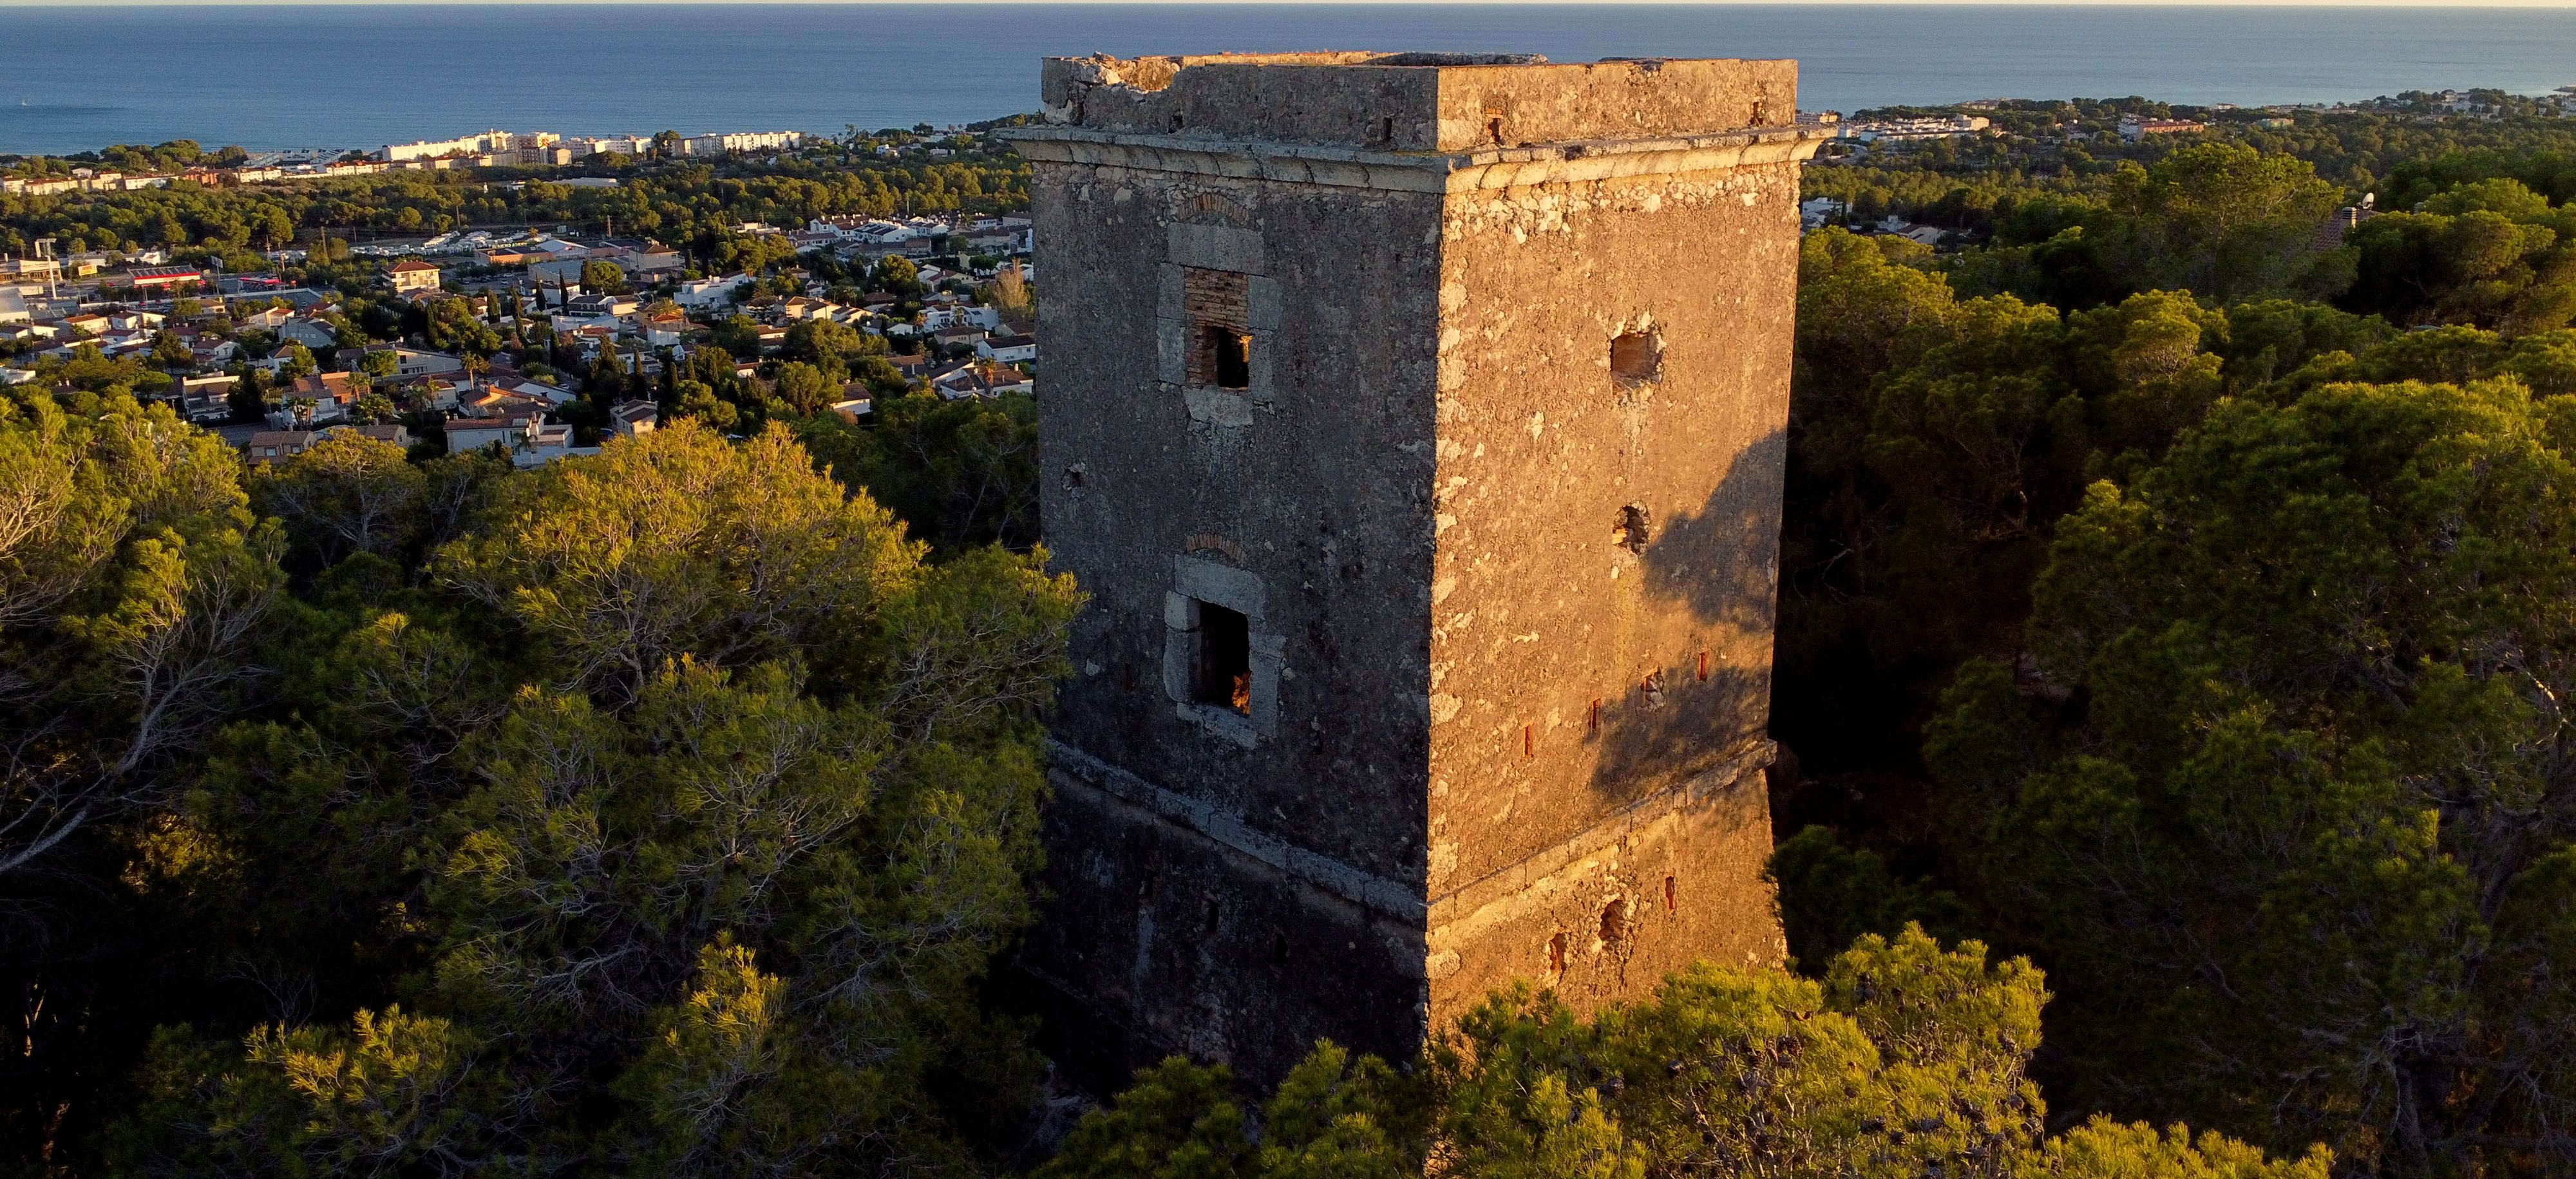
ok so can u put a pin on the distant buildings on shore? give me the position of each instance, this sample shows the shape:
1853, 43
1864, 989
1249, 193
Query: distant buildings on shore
2133, 128
494, 149
486, 149
1904, 130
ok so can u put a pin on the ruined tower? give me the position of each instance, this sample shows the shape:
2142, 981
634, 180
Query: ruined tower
1415, 423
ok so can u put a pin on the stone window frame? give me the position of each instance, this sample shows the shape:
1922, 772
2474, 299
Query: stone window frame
1216, 250
1196, 581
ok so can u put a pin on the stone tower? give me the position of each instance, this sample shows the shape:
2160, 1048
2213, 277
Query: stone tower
1415, 423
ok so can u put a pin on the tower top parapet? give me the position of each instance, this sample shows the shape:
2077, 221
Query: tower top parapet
1417, 102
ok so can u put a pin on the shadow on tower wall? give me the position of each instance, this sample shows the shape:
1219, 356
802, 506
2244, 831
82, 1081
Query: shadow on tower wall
1720, 562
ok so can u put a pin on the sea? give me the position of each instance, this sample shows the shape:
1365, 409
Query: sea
280, 77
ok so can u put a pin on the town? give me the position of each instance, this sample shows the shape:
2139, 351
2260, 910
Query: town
536, 342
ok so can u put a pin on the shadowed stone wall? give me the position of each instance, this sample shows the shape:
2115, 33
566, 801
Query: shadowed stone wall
1435, 405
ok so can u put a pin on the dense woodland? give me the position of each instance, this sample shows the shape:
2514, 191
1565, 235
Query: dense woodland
2175, 624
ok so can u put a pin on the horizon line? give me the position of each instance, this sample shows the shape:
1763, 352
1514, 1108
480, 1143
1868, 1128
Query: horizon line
2445, 5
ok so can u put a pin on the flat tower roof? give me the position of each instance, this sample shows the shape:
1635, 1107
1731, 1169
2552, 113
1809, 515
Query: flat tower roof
1418, 102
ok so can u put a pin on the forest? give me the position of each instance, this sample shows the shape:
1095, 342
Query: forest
2175, 620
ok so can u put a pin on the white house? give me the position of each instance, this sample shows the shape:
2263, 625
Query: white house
664, 331
410, 363
1008, 349
547, 444
950, 312
277, 446
706, 293
470, 434
633, 418
552, 394
595, 306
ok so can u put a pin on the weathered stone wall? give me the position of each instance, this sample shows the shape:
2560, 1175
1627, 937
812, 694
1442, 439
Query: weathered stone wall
1302, 500
1408, 505
1313, 484
1577, 670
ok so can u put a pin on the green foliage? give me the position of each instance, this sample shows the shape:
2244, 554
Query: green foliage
2223, 219
133, 581
1905, 1059
802, 389
603, 278
344, 495
2490, 253
1935, 440
389, 1096
526, 888
454, 327
960, 473
1831, 894
2107, 1149
2318, 649
898, 275
698, 400
2246, 608
1178, 1121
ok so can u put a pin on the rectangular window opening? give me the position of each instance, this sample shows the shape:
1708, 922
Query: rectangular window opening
1218, 304
1226, 356
1225, 659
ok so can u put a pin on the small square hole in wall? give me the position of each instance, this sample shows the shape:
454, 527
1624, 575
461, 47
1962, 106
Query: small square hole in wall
1224, 673
1614, 922
1632, 529
1636, 358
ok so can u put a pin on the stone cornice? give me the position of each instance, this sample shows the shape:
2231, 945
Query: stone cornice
1493, 897
1425, 172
